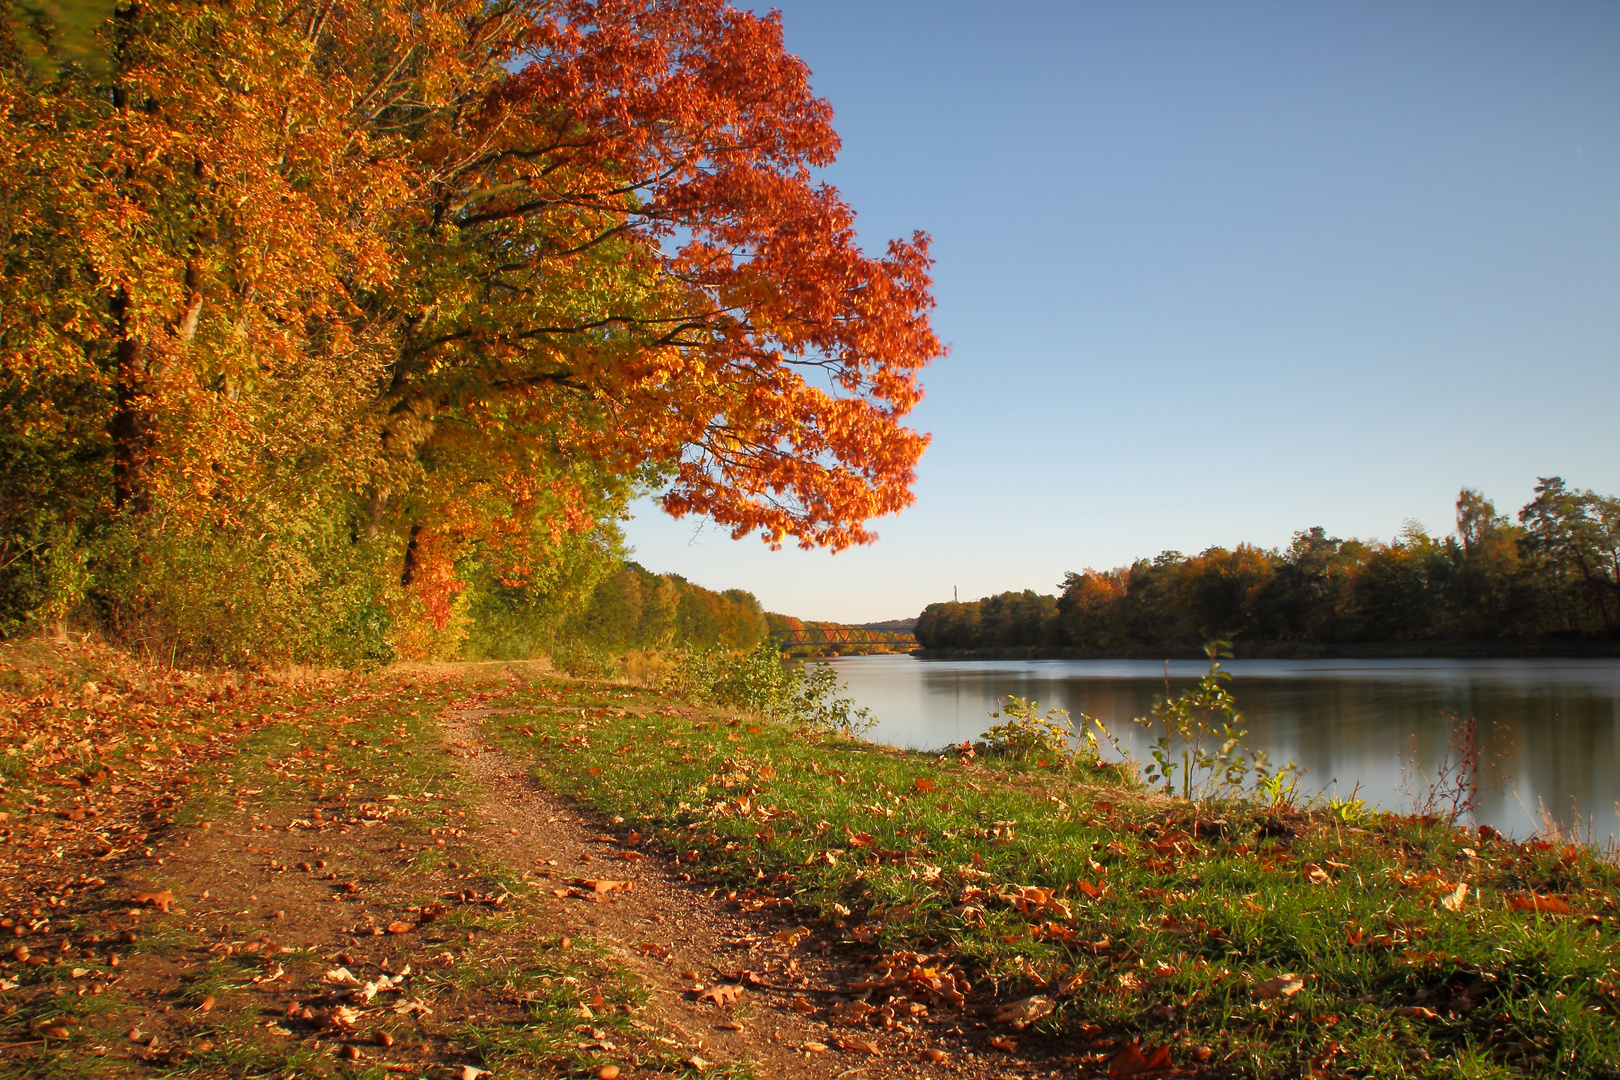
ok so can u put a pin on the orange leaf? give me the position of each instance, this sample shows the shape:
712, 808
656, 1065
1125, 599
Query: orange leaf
722, 995
1546, 905
160, 900
1281, 986
1132, 1062
923, 785
1128, 1062
1417, 1012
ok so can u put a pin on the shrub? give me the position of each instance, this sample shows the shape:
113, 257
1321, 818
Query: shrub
1025, 733
1203, 741
760, 683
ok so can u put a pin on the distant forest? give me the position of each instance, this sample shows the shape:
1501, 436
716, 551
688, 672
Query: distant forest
634, 608
1553, 573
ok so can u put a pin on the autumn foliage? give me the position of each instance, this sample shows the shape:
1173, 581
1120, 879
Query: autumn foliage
320, 300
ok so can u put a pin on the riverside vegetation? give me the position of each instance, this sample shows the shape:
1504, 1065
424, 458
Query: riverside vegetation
1549, 581
1013, 906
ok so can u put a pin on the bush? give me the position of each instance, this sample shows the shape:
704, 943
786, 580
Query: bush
760, 683
1026, 733
304, 592
584, 661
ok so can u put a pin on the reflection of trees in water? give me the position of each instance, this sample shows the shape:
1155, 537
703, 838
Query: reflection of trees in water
1556, 742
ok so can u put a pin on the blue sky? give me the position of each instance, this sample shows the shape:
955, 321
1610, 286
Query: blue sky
1214, 273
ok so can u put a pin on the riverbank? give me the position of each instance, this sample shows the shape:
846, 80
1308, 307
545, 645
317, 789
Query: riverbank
528, 874
1506, 649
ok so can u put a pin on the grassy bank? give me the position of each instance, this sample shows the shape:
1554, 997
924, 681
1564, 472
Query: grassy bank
1224, 939
1038, 920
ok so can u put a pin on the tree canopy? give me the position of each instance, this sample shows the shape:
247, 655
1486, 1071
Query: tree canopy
346, 310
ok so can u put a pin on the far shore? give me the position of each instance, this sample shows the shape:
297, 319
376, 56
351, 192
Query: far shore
1539, 649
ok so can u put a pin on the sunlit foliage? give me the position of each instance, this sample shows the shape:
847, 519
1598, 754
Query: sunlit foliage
359, 311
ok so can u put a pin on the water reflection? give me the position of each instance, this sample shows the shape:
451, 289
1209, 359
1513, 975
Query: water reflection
1550, 728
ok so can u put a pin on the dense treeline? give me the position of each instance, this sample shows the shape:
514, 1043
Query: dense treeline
1553, 573
339, 330
632, 608
637, 609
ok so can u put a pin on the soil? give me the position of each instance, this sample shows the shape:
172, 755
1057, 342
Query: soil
268, 899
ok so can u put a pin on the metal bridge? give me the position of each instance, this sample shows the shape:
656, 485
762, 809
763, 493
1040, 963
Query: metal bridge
829, 635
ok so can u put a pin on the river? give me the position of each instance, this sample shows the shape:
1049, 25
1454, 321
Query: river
1550, 729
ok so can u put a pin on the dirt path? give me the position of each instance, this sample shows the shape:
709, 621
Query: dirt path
364, 885
682, 939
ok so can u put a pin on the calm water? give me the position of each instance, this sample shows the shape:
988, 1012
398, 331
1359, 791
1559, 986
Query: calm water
1550, 728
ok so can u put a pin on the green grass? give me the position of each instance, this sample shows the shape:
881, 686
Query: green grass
1199, 906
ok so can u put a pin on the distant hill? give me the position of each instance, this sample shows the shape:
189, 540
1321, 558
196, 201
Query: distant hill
892, 626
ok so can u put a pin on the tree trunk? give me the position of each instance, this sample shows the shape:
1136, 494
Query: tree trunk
130, 427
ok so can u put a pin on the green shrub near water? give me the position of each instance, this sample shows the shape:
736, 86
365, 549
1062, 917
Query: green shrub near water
760, 682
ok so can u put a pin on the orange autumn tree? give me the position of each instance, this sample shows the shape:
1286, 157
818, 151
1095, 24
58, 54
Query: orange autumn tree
461, 275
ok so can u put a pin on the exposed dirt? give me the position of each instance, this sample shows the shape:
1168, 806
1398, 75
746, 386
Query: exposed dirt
208, 948
680, 939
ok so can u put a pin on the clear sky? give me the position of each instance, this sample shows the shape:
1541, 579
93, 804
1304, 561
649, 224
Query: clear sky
1216, 272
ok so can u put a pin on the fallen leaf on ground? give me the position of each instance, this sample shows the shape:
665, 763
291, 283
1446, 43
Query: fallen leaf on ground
813, 1047
1132, 1062
1545, 905
722, 995
400, 927
1004, 1043
1453, 901
865, 1046
603, 886
1316, 875
1281, 986
1417, 1012
343, 1017
160, 900
1021, 1014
